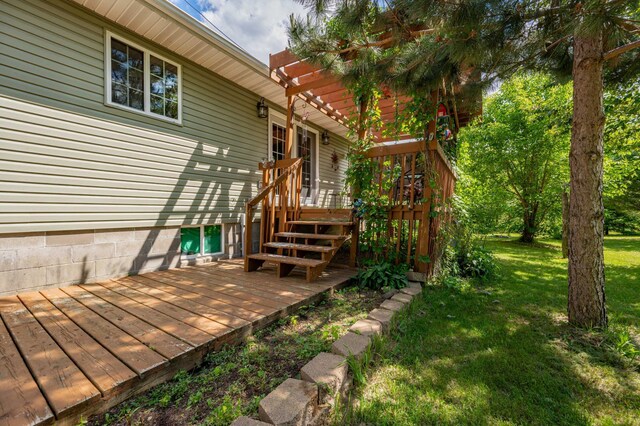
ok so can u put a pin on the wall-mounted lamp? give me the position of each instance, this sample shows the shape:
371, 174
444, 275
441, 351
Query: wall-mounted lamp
263, 109
325, 138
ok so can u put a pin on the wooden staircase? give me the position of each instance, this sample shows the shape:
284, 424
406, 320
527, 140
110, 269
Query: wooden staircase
310, 244
291, 235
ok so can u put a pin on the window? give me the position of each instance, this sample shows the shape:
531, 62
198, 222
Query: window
278, 141
201, 240
142, 81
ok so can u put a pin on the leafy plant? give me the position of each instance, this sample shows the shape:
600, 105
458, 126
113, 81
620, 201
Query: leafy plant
624, 345
478, 262
383, 276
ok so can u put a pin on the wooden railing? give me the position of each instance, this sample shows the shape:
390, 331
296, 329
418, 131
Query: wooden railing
417, 200
280, 198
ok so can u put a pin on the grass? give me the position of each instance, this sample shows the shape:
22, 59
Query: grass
503, 354
232, 381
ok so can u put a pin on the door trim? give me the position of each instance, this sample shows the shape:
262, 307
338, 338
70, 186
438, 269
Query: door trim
281, 119
316, 192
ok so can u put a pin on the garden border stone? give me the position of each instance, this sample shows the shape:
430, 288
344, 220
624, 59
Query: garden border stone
402, 298
367, 327
293, 403
351, 344
330, 372
383, 316
248, 421
393, 305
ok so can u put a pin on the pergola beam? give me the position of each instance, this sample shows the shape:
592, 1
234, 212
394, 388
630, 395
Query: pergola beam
327, 94
310, 85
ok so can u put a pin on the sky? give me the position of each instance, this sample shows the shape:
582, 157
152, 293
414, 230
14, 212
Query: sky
258, 26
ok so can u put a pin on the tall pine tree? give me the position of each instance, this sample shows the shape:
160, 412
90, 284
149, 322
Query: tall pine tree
415, 45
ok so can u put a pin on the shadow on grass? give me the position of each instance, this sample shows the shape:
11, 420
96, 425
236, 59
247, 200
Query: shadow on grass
484, 368
504, 355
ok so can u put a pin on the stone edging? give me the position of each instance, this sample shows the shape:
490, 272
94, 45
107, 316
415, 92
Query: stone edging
308, 401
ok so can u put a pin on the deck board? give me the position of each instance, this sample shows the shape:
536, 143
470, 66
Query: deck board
156, 339
178, 329
62, 383
214, 292
79, 350
223, 285
198, 321
105, 371
199, 299
195, 308
129, 350
21, 402
274, 292
257, 297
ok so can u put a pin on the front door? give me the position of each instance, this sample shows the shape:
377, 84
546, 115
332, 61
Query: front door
307, 149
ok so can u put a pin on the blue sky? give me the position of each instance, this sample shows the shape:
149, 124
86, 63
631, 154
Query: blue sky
259, 27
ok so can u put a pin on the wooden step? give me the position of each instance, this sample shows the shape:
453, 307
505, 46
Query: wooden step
285, 264
301, 247
320, 222
277, 258
310, 236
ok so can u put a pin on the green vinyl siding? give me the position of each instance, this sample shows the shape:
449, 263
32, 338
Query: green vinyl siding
70, 162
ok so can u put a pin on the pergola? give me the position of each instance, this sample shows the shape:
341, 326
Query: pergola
411, 228
326, 92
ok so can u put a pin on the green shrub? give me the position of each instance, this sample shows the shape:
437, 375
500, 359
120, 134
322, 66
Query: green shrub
383, 276
476, 262
464, 257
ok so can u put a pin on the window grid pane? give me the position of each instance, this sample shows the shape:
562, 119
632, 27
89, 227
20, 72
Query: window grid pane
278, 140
164, 88
127, 75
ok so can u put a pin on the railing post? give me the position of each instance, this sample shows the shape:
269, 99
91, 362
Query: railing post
248, 236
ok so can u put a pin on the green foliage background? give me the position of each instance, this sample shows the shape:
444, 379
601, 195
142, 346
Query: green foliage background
515, 158
516, 155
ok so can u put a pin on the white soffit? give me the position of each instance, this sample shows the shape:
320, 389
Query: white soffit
165, 24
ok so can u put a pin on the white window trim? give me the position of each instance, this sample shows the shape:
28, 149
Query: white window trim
202, 253
280, 120
147, 79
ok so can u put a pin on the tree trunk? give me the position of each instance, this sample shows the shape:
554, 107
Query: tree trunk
529, 229
565, 224
586, 307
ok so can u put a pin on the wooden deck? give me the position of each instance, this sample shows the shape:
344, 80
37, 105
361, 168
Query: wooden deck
75, 351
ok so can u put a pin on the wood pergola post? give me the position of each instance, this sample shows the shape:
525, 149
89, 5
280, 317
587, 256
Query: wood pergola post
355, 234
289, 133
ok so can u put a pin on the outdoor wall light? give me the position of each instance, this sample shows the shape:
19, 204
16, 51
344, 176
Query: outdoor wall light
263, 109
325, 138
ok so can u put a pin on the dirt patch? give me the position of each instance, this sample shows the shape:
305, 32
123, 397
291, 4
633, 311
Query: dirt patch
232, 381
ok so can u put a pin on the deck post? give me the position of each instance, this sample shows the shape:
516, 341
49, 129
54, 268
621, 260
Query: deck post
422, 248
248, 230
355, 233
289, 133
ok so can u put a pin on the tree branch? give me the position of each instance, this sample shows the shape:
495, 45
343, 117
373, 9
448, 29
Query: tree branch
614, 53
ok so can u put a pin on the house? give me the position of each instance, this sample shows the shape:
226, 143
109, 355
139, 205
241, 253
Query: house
130, 141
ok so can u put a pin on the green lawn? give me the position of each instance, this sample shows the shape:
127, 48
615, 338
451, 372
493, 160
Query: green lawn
503, 354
